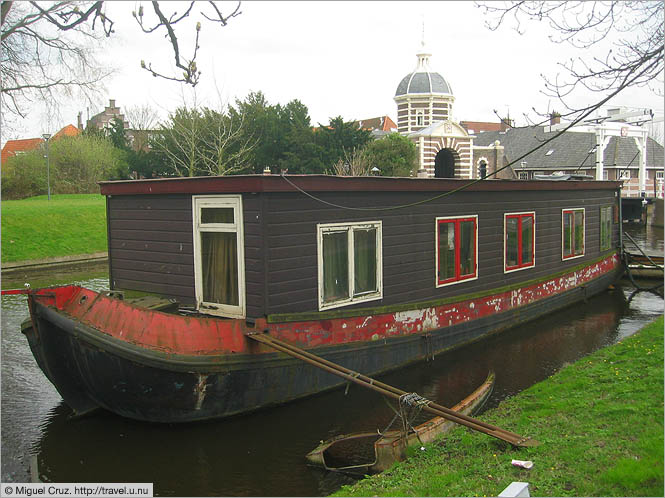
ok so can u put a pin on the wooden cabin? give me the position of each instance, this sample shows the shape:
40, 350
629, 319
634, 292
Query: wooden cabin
273, 246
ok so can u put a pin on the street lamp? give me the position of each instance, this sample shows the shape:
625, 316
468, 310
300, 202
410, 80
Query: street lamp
46, 137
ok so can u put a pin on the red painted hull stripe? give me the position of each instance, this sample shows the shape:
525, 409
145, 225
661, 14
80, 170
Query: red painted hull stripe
213, 336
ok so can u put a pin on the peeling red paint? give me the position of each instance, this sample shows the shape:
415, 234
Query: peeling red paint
176, 334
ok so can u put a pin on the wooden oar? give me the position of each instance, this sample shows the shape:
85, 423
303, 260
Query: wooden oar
393, 392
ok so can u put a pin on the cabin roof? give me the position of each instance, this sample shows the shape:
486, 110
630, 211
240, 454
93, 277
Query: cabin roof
323, 183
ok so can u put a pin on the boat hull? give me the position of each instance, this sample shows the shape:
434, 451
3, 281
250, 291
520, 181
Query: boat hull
93, 368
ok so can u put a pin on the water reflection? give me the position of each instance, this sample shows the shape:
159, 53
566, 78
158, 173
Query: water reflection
262, 454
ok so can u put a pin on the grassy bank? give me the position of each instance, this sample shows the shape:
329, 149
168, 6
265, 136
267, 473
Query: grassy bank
600, 422
36, 228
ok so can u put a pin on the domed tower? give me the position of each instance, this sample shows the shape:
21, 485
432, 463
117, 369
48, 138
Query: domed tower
424, 113
422, 97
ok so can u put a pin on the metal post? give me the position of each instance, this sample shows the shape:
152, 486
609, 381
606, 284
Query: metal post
47, 136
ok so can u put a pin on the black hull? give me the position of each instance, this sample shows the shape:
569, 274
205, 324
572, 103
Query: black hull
91, 369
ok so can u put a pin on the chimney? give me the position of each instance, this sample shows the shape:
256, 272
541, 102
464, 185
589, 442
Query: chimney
79, 122
555, 118
505, 124
112, 103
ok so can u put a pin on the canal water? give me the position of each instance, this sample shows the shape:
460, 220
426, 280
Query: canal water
262, 454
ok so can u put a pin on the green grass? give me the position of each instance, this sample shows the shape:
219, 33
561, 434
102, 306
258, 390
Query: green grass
36, 228
600, 422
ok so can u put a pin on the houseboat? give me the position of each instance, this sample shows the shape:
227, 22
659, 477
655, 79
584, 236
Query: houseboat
370, 273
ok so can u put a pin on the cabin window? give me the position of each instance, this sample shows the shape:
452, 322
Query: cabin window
519, 241
350, 263
572, 231
456, 249
605, 228
219, 274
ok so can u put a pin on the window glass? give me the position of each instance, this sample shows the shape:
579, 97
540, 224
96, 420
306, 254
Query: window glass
572, 233
511, 241
219, 255
527, 239
216, 215
467, 248
456, 249
219, 265
567, 239
519, 240
446, 251
579, 233
364, 260
350, 265
335, 266
605, 227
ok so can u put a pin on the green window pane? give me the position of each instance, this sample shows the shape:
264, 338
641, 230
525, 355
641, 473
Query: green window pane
605, 227
567, 229
579, 232
365, 261
527, 240
446, 250
467, 248
335, 266
217, 215
511, 241
219, 267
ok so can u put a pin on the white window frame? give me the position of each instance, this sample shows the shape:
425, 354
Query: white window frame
660, 175
522, 173
563, 255
624, 174
322, 228
505, 242
462, 279
219, 201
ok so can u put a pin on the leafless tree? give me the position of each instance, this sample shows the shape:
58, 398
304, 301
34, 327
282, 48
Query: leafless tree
355, 164
225, 147
47, 54
47, 50
143, 117
634, 29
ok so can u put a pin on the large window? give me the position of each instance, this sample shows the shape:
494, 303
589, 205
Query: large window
456, 249
219, 255
519, 241
572, 233
350, 263
605, 228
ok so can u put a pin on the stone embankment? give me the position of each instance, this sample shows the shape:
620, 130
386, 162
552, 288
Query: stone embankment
20, 269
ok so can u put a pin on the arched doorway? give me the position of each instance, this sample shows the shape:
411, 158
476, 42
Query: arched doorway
482, 169
444, 164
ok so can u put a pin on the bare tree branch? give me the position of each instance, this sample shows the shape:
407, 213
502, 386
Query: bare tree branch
634, 29
190, 71
48, 50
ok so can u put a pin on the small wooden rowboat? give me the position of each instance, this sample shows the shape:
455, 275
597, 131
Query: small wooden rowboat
392, 446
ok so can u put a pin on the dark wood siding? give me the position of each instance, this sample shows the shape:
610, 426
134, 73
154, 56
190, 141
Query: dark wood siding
151, 246
409, 240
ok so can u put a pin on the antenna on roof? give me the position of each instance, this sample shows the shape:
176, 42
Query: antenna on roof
423, 33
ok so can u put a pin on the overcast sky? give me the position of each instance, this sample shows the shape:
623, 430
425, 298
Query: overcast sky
337, 58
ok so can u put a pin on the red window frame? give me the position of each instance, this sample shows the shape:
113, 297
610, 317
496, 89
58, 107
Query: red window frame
459, 277
520, 264
575, 251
